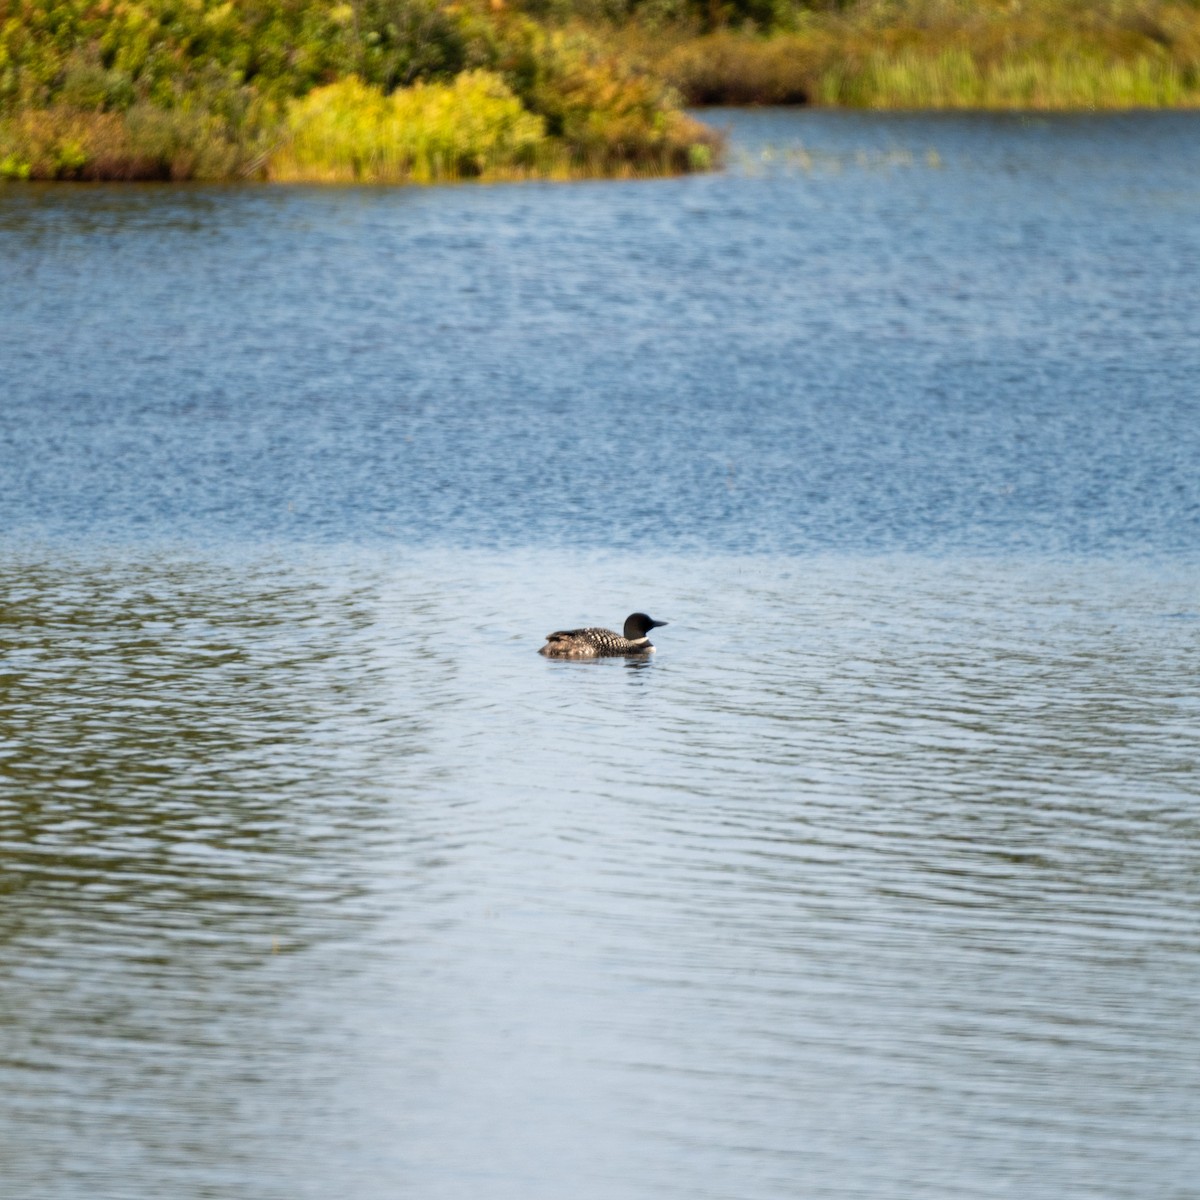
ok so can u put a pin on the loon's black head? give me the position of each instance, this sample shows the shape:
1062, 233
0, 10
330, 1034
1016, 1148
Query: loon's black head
637, 625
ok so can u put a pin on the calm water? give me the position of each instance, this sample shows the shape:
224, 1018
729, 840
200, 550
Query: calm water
881, 879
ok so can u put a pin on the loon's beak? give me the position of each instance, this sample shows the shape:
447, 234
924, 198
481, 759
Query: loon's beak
656, 624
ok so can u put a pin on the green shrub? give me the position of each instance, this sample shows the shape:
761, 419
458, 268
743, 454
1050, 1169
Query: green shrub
605, 110
351, 131
395, 89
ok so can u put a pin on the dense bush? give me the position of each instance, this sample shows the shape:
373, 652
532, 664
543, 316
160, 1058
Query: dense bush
349, 131
215, 89
110, 53
605, 111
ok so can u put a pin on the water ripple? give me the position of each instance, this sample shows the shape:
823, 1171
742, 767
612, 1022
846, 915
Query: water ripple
878, 879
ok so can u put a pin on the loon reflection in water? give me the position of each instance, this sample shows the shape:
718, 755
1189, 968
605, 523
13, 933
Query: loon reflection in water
599, 643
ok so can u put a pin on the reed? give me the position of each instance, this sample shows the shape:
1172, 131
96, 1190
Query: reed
144, 143
1035, 54
954, 79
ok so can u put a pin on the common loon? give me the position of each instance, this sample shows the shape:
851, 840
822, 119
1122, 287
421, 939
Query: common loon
598, 643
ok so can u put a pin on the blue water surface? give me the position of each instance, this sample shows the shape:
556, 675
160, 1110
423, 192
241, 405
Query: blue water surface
922, 333
881, 878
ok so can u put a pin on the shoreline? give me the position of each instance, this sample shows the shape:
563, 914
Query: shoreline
497, 94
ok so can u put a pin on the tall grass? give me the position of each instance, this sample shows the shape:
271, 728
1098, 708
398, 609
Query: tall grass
142, 143
955, 79
1002, 54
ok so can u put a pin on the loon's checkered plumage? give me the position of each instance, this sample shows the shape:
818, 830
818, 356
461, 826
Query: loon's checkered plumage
600, 643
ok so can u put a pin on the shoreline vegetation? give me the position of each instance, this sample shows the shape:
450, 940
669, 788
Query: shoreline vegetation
423, 91
1015, 55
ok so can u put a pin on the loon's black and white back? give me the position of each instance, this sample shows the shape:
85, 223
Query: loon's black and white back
601, 643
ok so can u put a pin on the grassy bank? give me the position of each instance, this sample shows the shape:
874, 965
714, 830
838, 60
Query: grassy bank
988, 54
372, 90
426, 90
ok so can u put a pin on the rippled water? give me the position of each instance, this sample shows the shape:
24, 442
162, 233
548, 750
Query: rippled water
879, 879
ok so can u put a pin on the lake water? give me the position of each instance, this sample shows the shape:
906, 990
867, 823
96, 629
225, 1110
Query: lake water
881, 879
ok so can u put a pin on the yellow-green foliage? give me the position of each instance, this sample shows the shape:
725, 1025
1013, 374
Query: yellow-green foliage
1039, 54
370, 89
111, 53
955, 79
609, 114
347, 131
476, 127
